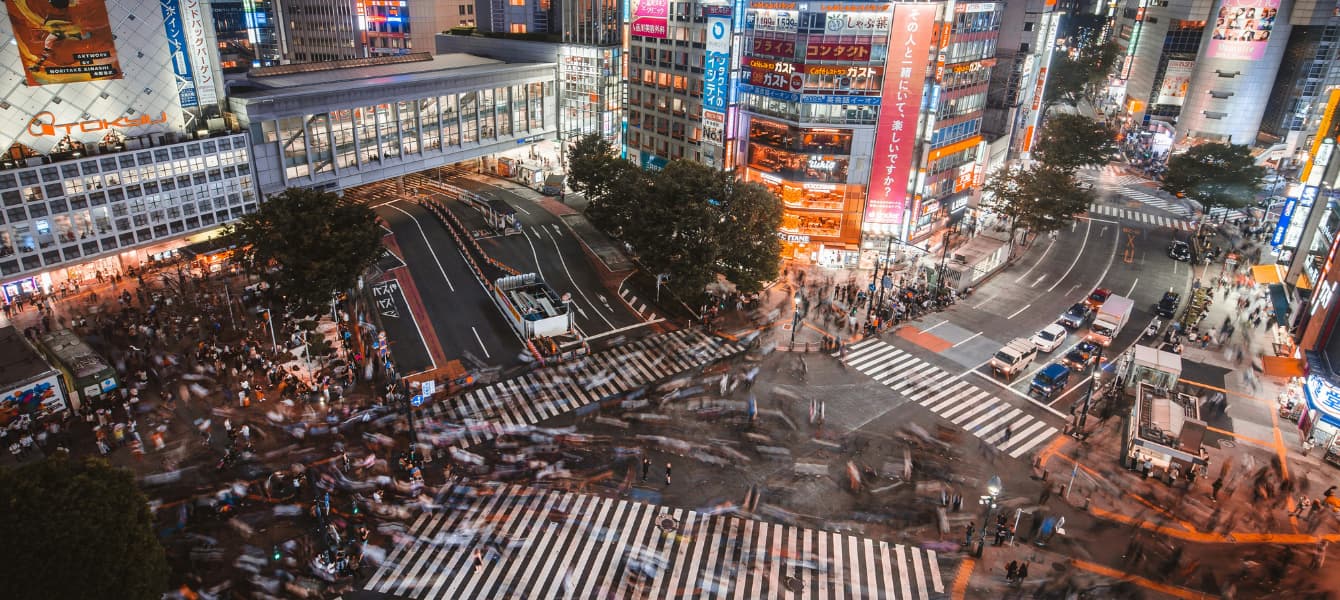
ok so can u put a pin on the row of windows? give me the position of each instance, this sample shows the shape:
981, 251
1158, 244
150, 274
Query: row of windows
957, 107
956, 133
970, 50
679, 83
837, 114
354, 137
665, 104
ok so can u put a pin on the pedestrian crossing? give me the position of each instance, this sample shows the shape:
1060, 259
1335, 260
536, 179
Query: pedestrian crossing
1139, 217
1133, 187
990, 419
551, 391
521, 542
1110, 176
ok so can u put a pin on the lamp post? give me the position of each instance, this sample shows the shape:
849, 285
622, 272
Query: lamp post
1088, 396
798, 304
993, 488
888, 256
944, 254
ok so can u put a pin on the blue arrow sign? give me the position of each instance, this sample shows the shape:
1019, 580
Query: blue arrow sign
416, 401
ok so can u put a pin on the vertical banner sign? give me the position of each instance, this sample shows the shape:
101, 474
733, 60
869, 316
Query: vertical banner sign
181, 63
651, 18
199, 51
895, 133
1176, 78
64, 41
716, 74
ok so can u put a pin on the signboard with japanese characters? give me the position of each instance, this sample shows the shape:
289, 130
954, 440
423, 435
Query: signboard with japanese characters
776, 21
837, 51
181, 63
857, 23
200, 52
774, 48
895, 133
716, 64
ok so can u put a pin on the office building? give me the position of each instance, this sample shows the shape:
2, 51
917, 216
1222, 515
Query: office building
517, 16
667, 65
1024, 50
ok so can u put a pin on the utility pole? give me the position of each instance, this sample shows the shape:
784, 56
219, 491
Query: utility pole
1088, 394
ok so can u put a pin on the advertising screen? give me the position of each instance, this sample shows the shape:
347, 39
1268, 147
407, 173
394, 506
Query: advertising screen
651, 18
1241, 28
895, 133
1175, 80
64, 41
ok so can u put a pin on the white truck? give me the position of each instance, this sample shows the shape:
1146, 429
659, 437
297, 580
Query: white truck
1013, 358
1111, 317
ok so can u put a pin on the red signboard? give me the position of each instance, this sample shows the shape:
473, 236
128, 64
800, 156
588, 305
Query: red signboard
777, 48
895, 133
777, 81
832, 51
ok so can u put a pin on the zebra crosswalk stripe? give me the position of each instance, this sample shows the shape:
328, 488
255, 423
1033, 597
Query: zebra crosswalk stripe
975, 410
586, 552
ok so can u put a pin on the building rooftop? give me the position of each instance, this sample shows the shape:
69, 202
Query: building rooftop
387, 71
22, 363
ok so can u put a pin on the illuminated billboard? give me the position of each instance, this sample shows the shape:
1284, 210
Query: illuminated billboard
1176, 78
181, 62
1241, 28
64, 41
651, 18
716, 72
895, 133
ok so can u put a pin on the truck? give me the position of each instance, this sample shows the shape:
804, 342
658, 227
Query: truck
1112, 316
1013, 358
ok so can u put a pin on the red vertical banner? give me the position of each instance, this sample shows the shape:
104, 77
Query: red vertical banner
895, 134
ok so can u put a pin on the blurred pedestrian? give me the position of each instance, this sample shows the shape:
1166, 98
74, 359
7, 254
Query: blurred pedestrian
646, 468
667, 473
1012, 571
1215, 487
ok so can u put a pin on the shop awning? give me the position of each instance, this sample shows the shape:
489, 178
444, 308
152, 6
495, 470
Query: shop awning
1303, 283
1279, 299
1283, 366
1268, 274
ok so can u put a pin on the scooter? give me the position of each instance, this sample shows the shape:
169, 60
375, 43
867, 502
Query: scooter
1152, 331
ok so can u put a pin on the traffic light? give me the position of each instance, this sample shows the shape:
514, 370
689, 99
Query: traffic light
275, 554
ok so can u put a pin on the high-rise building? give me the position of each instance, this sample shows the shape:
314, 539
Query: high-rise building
117, 160
517, 16
590, 69
320, 30
667, 63
866, 119
1024, 52
1311, 67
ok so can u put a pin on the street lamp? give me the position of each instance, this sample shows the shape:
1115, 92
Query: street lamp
888, 256
993, 488
798, 303
1088, 395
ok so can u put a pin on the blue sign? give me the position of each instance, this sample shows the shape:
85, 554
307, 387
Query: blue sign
845, 100
651, 162
887, 282
872, 287
416, 401
1323, 397
1283, 225
181, 63
716, 78
769, 93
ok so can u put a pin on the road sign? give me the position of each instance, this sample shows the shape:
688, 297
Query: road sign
416, 401
887, 282
429, 387
872, 287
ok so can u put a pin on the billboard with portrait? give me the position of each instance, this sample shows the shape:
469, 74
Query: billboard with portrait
1240, 29
1176, 78
64, 41
651, 18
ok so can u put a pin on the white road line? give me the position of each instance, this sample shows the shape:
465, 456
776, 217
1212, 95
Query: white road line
481, 342
934, 326
430, 246
1035, 265
1088, 228
564, 262
1020, 394
533, 253
970, 338
1133, 284
1016, 313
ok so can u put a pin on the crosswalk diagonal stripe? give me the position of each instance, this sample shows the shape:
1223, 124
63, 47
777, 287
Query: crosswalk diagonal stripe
871, 356
1030, 443
920, 575
996, 429
1022, 436
961, 417
972, 426
903, 579
978, 398
946, 394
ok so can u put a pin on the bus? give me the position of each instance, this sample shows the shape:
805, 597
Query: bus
87, 374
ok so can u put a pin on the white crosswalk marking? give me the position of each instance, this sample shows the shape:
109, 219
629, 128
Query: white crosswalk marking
552, 544
990, 419
1108, 210
548, 392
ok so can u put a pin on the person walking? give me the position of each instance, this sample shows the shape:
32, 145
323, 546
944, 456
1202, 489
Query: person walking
967, 535
1011, 571
646, 468
1214, 489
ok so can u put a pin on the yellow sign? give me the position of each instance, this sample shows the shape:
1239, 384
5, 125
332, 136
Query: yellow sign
44, 124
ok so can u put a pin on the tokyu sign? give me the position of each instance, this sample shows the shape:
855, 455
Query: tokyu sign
44, 124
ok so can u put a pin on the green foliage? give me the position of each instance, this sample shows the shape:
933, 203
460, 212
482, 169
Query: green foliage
589, 161
1070, 80
77, 529
1039, 200
690, 221
1215, 175
1070, 141
308, 244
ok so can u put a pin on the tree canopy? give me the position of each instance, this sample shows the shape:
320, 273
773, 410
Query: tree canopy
589, 160
308, 244
1070, 80
1040, 199
1215, 175
691, 222
1070, 141
77, 529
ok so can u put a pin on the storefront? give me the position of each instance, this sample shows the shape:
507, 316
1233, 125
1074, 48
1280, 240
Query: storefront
1320, 418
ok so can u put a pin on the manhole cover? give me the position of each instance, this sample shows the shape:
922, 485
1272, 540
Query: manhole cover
793, 583
668, 524
1227, 443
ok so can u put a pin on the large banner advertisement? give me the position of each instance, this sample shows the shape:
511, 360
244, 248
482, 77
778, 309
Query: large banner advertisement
895, 133
651, 18
200, 51
64, 41
716, 65
1176, 78
1241, 29
181, 62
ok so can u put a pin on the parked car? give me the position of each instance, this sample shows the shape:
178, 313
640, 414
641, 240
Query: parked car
1049, 338
1097, 298
1078, 316
1180, 251
1167, 305
1081, 356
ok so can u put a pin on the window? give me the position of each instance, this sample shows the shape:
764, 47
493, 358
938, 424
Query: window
518, 27
1028, 26
517, 2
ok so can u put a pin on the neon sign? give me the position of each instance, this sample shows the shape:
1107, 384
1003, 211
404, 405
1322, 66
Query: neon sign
39, 127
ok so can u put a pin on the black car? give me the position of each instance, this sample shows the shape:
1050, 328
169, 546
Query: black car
1081, 356
1077, 316
1180, 251
1167, 306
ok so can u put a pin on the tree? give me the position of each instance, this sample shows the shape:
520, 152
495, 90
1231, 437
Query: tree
692, 222
589, 161
1038, 200
308, 245
1215, 175
1065, 82
78, 529
1070, 141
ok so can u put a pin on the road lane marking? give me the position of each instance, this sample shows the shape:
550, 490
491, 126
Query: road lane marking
934, 326
564, 262
1133, 284
481, 342
430, 246
1016, 313
1087, 228
533, 253
1035, 265
971, 338
1019, 393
